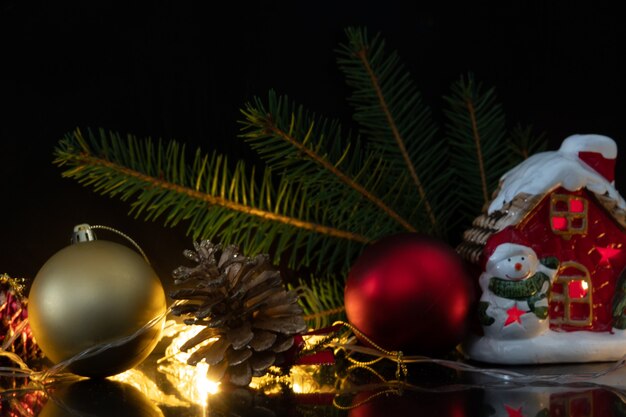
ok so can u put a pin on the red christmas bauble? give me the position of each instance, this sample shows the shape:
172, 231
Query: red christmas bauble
411, 293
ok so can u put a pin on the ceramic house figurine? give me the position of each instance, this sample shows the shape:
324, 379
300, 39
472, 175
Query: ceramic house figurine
551, 250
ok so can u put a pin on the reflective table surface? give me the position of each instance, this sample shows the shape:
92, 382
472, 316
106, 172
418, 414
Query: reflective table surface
153, 389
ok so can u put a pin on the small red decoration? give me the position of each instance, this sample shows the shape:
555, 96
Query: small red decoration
13, 314
514, 315
411, 293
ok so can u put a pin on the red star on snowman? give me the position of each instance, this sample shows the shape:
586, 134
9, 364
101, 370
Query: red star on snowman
514, 315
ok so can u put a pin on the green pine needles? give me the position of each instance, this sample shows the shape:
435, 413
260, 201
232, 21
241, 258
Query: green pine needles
390, 112
324, 193
476, 133
216, 199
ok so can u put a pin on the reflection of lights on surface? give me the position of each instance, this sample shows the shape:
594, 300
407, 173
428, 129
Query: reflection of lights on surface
148, 387
585, 285
302, 379
312, 379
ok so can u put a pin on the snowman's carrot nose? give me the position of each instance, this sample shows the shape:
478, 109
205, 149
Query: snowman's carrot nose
518, 266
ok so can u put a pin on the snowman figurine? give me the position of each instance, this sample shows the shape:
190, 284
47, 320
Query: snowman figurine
515, 289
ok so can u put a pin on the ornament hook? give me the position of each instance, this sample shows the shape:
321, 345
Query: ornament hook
85, 233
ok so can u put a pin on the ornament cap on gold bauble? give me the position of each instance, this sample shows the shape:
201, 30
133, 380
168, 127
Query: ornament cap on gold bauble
410, 292
92, 293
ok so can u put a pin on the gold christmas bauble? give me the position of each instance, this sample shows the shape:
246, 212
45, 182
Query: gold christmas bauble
93, 293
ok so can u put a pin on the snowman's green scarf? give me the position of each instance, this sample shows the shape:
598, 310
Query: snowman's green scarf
518, 290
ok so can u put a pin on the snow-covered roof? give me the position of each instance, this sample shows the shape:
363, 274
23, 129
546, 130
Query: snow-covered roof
589, 143
524, 186
545, 171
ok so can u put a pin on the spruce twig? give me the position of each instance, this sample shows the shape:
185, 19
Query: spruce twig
524, 143
321, 301
214, 199
362, 55
479, 154
269, 126
476, 131
398, 126
152, 183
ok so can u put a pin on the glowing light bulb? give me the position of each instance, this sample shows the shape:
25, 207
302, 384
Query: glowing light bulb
203, 385
190, 381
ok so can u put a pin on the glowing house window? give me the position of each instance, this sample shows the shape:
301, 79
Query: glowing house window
570, 298
568, 215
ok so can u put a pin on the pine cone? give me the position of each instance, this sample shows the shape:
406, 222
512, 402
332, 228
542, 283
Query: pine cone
243, 304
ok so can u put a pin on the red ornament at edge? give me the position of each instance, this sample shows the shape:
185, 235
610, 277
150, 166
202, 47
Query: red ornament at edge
410, 292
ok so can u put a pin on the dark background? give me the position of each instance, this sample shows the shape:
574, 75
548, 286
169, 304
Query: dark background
178, 71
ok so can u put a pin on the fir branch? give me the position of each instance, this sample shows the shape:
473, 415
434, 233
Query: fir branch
362, 55
325, 313
159, 184
282, 123
476, 131
389, 108
324, 163
479, 154
211, 197
322, 300
524, 143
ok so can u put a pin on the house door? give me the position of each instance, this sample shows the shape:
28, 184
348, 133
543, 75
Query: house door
571, 298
